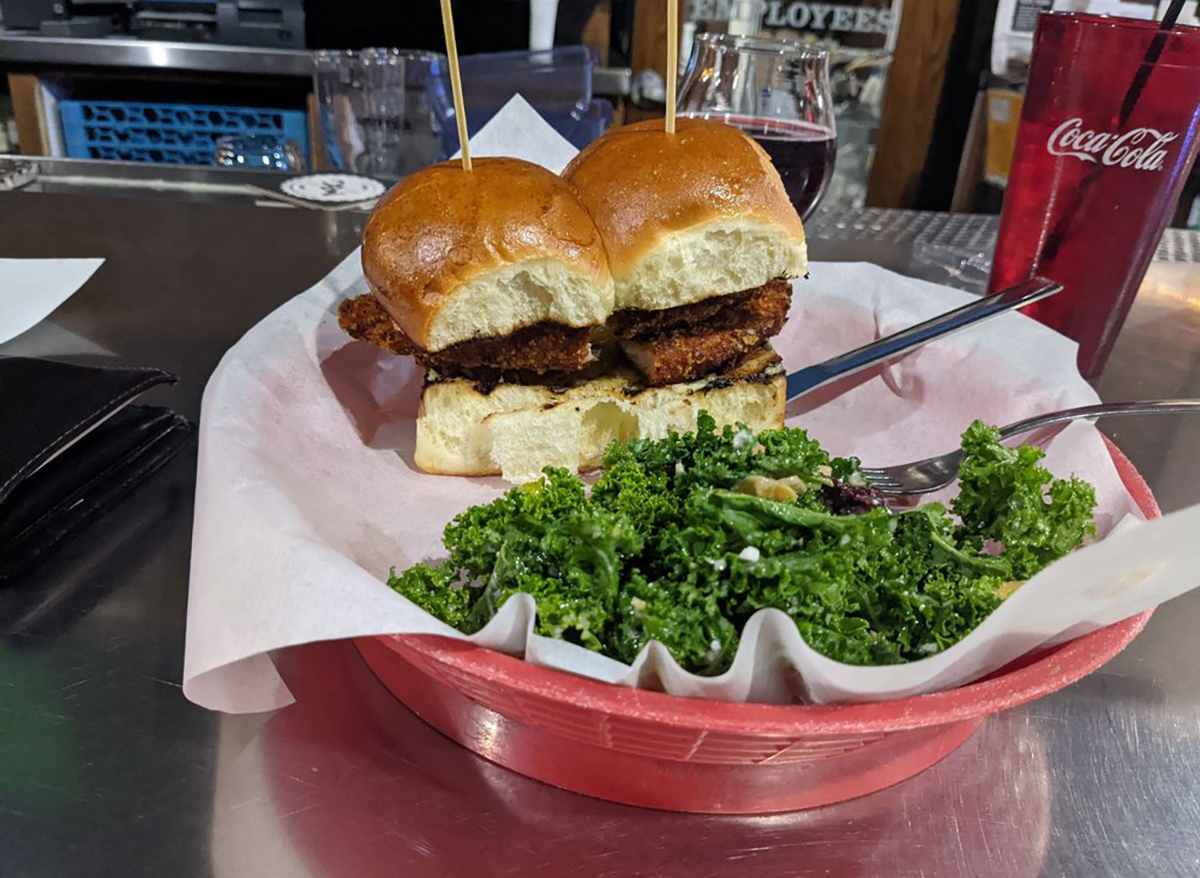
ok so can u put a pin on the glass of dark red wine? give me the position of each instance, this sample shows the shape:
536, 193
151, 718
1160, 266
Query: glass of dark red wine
777, 91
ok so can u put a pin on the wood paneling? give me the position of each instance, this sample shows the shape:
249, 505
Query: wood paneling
27, 110
596, 31
970, 167
649, 49
914, 91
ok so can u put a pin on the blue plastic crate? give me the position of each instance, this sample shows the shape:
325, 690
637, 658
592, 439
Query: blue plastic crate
177, 134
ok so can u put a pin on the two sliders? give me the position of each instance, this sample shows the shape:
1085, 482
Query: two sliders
555, 315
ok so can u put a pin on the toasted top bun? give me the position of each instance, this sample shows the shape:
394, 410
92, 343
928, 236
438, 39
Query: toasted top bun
687, 216
454, 256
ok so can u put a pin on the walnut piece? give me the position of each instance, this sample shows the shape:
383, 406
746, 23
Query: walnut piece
780, 490
1006, 589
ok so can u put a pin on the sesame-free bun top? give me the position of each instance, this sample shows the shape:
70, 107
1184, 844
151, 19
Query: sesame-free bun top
455, 255
686, 216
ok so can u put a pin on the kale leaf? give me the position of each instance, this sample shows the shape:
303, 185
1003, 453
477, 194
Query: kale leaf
432, 589
572, 568
475, 536
1007, 499
683, 538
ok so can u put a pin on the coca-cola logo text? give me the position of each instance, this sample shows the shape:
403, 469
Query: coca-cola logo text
1141, 148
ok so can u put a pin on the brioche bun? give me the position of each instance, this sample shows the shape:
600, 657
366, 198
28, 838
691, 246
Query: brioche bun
514, 430
686, 216
454, 256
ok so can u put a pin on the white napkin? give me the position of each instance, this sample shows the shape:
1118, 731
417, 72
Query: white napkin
518, 130
30, 289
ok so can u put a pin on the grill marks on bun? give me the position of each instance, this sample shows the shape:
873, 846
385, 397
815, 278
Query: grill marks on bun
514, 430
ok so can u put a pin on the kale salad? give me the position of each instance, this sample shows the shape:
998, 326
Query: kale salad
682, 539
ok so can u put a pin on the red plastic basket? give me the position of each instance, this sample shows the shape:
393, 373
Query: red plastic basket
682, 754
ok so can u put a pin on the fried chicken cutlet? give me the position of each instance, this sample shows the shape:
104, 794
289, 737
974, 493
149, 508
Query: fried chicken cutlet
688, 342
542, 348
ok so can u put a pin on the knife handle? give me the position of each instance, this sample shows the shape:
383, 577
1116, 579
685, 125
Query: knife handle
891, 346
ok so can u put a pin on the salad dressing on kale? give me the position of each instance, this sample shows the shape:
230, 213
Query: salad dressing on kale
682, 539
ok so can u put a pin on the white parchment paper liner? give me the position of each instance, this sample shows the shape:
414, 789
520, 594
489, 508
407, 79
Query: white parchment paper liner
306, 494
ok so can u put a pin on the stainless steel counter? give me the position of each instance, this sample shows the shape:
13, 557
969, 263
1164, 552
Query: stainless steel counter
105, 769
19, 48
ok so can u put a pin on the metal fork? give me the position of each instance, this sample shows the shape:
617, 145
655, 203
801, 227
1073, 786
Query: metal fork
935, 473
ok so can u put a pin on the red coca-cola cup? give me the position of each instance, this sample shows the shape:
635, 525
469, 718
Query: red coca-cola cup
1107, 137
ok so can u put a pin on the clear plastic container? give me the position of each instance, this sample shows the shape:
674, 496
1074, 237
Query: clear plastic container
556, 83
378, 111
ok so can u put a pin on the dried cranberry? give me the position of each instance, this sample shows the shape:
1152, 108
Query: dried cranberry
843, 499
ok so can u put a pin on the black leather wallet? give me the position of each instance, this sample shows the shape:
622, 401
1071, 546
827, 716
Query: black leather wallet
71, 446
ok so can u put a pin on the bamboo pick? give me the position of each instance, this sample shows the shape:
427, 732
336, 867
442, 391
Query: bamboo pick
672, 60
460, 108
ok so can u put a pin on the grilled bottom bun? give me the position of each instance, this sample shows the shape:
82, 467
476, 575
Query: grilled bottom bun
517, 429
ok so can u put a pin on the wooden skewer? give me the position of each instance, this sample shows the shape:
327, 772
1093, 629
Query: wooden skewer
460, 108
672, 60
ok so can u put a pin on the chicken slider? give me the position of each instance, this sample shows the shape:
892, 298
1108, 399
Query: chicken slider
497, 282
702, 242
